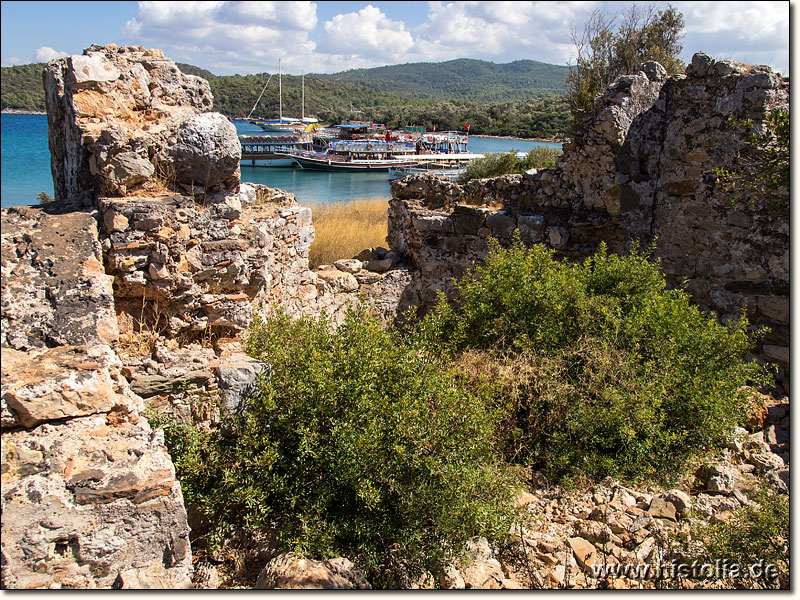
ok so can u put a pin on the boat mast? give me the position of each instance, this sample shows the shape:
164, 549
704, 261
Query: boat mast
280, 94
303, 95
259, 96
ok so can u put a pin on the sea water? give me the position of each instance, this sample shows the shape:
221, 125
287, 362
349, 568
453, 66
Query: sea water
26, 167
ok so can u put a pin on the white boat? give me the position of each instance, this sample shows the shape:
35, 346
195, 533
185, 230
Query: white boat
444, 149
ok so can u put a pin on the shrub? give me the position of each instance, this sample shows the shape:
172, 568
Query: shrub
496, 164
613, 373
755, 533
44, 198
359, 444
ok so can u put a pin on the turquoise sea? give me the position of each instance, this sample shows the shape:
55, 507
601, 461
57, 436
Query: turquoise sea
26, 167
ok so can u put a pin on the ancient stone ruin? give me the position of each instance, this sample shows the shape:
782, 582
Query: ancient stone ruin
642, 170
134, 288
114, 293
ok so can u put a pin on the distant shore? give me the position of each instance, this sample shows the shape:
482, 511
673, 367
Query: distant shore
16, 111
521, 139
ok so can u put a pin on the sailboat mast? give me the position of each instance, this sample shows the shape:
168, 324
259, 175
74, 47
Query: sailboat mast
280, 93
303, 95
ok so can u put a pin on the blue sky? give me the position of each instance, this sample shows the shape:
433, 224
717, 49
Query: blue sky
250, 37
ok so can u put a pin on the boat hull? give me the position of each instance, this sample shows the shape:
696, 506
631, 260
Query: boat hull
327, 164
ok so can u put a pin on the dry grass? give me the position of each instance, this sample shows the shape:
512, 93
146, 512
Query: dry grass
343, 229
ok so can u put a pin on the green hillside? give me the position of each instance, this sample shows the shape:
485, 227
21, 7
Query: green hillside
463, 79
22, 88
522, 98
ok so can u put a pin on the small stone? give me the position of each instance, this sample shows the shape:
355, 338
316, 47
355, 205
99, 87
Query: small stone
663, 509
643, 520
766, 461
585, 553
681, 500
348, 265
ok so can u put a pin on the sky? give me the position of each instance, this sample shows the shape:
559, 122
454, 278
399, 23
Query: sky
328, 37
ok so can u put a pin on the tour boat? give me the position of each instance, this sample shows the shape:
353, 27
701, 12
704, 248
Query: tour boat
381, 155
451, 172
269, 150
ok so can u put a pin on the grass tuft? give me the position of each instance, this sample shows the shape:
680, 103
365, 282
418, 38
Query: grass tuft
343, 229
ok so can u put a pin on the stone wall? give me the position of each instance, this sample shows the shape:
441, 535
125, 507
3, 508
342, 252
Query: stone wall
89, 494
134, 288
643, 169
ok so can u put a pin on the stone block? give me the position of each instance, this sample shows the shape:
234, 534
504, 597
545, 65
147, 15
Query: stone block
432, 223
291, 572
468, 219
102, 500
501, 223
620, 199
530, 228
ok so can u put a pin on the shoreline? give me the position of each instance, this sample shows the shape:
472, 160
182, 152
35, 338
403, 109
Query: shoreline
521, 139
17, 111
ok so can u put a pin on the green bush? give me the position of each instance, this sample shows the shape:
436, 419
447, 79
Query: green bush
44, 198
613, 374
757, 532
360, 444
496, 164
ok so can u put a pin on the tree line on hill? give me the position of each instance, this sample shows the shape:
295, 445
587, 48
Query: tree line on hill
511, 104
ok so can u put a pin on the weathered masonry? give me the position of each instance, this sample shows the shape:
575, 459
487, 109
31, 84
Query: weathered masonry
643, 169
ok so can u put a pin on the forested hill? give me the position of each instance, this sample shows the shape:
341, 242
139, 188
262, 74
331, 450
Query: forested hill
523, 98
463, 79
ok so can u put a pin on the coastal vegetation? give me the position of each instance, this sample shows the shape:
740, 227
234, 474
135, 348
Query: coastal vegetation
754, 534
492, 165
521, 99
361, 442
764, 164
22, 88
343, 229
395, 446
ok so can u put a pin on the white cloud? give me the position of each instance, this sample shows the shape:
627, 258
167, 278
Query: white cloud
249, 37
227, 37
46, 54
13, 61
751, 32
368, 33
503, 31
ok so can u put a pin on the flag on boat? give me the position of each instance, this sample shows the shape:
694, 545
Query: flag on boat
467, 127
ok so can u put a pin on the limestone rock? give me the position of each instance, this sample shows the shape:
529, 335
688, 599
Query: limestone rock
59, 383
680, 500
766, 461
585, 553
338, 281
481, 570
54, 288
719, 478
663, 509
348, 265
108, 105
207, 151
238, 379
85, 501
289, 571
127, 169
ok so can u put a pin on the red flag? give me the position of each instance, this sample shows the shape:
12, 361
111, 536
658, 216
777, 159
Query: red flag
467, 127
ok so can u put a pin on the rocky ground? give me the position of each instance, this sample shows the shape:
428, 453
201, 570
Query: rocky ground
566, 536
